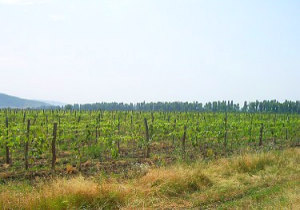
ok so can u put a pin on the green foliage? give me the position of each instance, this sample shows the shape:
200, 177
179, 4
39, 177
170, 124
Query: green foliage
95, 133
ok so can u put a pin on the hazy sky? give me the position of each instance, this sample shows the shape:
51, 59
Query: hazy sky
153, 50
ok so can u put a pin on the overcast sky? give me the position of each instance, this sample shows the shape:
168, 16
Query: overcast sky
153, 50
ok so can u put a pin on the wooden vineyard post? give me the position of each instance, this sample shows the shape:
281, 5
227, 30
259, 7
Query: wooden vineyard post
225, 128
147, 138
250, 129
98, 127
273, 131
286, 129
261, 134
8, 160
78, 150
286, 133
183, 140
118, 141
24, 117
96, 134
173, 136
26, 144
53, 146
152, 117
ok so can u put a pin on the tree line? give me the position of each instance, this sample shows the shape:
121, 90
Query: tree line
266, 106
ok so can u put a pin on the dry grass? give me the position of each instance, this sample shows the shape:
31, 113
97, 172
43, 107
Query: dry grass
253, 163
266, 180
175, 181
64, 194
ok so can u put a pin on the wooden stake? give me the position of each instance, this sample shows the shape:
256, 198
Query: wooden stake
147, 138
26, 144
261, 134
53, 146
8, 160
183, 140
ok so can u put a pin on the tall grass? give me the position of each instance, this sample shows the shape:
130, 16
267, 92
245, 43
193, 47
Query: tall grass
246, 181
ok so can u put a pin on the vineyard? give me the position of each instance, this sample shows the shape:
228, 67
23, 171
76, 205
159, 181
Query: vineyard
67, 141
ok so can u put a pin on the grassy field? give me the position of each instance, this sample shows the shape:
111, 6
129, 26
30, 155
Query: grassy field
246, 181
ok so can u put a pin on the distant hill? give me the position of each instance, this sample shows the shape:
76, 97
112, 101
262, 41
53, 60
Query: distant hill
7, 101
